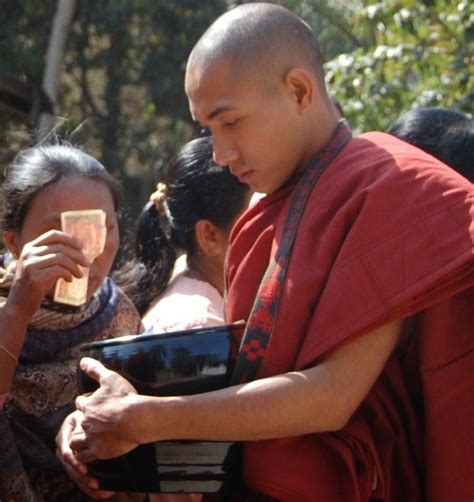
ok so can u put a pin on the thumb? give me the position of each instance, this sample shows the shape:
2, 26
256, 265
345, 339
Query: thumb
94, 369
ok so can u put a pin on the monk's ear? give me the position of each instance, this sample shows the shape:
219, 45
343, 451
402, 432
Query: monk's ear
301, 86
10, 239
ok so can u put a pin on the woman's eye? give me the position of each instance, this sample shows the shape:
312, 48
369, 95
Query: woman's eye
231, 123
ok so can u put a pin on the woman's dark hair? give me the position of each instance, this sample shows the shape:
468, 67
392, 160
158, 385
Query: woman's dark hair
446, 134
36, 168
196, 189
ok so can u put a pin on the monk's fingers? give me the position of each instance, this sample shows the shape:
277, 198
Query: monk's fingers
96, 370
86, 455
70, 427
87, 446
70, 438
78, 441
69, 459
75, 468
88, 484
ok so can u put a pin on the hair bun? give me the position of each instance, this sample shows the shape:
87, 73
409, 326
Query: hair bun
158, 198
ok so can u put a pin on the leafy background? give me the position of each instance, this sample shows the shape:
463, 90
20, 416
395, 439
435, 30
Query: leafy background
121, 87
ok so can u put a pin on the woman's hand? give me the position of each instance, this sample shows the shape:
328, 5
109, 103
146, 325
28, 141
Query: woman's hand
76, 470
42, 262
110, 426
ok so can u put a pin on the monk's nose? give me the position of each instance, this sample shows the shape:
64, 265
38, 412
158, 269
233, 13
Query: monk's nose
223, 152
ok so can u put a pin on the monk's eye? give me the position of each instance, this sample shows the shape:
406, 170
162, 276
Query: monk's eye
231, 123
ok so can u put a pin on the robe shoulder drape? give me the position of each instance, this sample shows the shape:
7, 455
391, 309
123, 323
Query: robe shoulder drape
387, 234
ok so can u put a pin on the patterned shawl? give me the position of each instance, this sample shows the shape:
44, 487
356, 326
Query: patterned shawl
44, 388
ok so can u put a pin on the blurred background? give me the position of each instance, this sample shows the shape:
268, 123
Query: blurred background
109, 74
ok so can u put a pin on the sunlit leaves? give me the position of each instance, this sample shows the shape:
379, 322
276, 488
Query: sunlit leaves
417, 53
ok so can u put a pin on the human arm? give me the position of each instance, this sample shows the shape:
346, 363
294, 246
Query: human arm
75, 469
41, 263
78, 471
319, 399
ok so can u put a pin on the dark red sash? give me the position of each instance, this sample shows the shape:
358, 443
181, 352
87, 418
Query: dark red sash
261, 322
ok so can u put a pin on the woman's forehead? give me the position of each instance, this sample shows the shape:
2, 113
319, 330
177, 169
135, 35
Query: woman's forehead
70, 193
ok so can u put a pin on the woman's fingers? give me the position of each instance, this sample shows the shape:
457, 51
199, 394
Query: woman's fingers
57, 247
54, 250
56, 236
51, 256
59, 250
37, 267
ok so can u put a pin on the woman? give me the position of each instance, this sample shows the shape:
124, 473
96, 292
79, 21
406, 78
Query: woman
181, 242
177, 277
39, 338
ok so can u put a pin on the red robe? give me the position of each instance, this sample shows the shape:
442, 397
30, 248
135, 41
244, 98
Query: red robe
387, 234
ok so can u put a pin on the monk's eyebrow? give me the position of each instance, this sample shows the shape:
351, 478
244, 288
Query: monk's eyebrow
217, 111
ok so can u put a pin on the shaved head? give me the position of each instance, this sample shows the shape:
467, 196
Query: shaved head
262, 40
256, 82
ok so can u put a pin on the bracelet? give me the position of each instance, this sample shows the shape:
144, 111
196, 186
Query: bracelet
9, 353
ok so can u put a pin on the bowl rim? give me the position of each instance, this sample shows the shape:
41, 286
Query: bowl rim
146, 335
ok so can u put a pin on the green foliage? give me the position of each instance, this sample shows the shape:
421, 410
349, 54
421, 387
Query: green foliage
128, 58
329, 20
22, 45
22, 40
122, 93
124, 69
415, 54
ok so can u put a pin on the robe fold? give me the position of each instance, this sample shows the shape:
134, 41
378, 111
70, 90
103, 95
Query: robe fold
387, 234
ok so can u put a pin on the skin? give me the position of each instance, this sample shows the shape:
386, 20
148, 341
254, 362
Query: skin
212, 242
266, 135
323, 399
236, 111
46, 254
207, 262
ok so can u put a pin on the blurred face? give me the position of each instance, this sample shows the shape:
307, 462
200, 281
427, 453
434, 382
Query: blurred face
73, 193
255, 130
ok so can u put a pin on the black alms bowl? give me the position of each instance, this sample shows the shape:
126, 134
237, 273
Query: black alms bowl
179, 363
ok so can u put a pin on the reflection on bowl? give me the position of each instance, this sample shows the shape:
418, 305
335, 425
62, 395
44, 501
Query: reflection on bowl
180, 363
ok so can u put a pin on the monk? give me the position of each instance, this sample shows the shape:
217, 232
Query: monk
353, 380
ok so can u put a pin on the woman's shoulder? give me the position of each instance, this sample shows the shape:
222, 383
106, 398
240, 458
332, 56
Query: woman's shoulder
187, 303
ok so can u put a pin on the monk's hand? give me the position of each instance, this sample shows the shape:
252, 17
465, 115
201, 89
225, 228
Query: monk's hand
108, 424
75, 469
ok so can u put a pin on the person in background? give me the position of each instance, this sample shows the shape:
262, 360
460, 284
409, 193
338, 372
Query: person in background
176, 280
446, 134
354, 274
39, 338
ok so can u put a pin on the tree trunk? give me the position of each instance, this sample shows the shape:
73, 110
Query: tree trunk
54, 61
